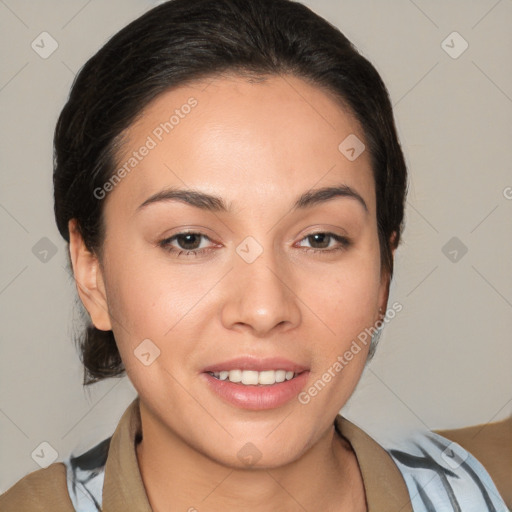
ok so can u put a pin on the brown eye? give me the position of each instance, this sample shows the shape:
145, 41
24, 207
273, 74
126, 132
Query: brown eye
320, 238
187, 242
321, 242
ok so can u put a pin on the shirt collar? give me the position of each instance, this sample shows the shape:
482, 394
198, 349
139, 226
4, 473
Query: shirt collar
385, 488
123, 482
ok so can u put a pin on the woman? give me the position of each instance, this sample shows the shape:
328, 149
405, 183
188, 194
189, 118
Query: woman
231, 185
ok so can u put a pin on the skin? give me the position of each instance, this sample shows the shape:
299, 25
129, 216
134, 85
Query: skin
258, 145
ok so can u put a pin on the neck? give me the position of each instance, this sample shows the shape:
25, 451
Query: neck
178, 477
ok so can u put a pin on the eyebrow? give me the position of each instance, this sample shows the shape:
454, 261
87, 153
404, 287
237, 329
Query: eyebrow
213, 203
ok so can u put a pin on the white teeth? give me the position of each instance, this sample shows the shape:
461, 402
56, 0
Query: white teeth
235, 376
267, 377
249, 377
280, 376
253, 378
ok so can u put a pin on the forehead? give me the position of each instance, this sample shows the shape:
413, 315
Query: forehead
243, 140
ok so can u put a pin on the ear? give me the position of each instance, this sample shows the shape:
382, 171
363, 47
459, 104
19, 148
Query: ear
89, 279
386, 279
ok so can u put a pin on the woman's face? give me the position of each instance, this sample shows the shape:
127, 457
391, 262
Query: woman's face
253, 288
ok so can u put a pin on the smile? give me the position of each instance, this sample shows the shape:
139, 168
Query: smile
254, 378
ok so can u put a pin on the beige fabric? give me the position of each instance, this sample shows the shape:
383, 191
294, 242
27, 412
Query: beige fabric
123, 488
123, 481
384, 485
40, 491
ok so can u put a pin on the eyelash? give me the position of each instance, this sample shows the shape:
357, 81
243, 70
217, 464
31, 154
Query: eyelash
166, 244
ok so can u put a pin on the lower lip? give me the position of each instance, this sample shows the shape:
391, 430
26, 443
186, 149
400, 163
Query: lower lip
260, 397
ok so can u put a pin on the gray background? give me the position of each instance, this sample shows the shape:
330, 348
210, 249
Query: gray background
444, 361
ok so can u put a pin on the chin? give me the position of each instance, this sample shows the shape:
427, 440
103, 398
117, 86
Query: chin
260, 451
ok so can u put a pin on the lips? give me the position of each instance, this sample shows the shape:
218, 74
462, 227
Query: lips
256, 364
255, 383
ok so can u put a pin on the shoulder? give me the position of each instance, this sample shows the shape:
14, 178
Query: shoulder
438, 470
41, 490
491, 444
74, 484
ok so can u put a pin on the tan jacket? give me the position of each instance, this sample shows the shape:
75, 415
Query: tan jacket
123, 489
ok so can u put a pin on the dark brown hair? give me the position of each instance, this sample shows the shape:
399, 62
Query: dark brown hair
179, 42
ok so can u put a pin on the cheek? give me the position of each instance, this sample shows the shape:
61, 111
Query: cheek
346, 295
135, 297
344, 303
150, 298
355, 303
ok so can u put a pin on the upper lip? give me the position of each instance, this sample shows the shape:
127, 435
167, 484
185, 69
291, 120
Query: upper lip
256, 364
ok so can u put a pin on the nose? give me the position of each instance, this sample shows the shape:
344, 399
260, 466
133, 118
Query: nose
259, 295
